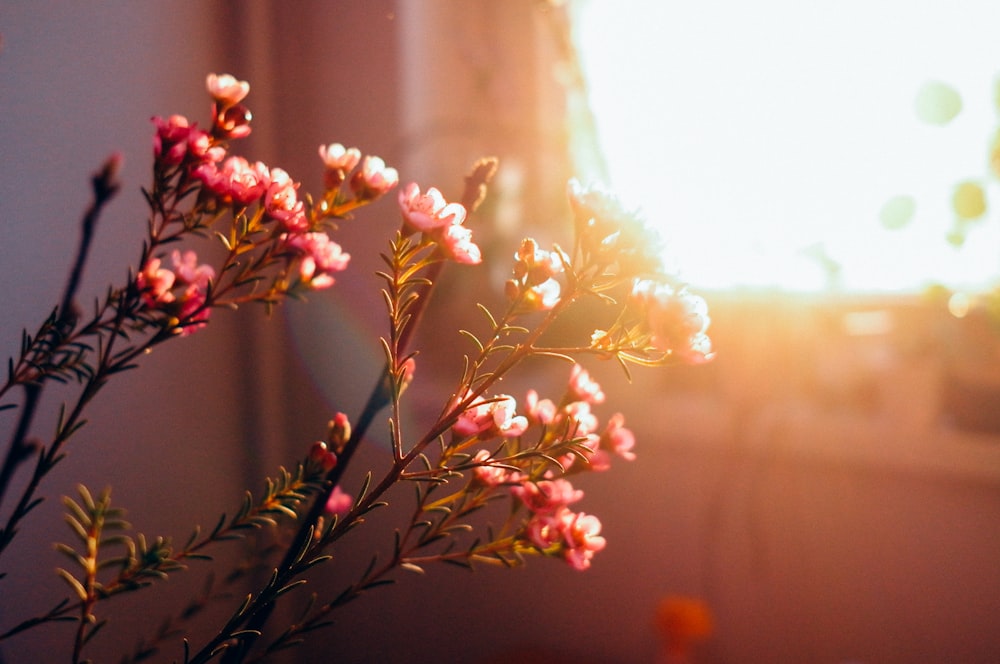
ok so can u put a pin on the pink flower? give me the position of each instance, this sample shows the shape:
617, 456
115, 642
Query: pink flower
597, 459
170, 141
339, 502
489, 474
281, 201
574, 535
533, 265
202, 146
579, 418
176, 140
546, 496
373, 179
581, 534
226, 89
155, 284
584, 387
339, 161
545, 531
237, 181
456, 242
618, 438
428, 212
677, 319
319, 257
196, 280
539, 411
611, 233
487, 419
188, 270
431, 214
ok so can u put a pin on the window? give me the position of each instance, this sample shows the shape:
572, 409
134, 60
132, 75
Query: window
804, 146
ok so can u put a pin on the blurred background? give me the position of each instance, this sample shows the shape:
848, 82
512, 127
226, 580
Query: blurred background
824, 174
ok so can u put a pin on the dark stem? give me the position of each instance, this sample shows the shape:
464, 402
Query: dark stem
473, 194
105, 185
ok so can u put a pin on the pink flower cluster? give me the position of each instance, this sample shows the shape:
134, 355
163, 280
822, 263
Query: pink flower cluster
178, 141
319, 257
233, 181
231, 118
576, 535
180, 292
611, 233
429, 213
534, 283
677, 319
552, 526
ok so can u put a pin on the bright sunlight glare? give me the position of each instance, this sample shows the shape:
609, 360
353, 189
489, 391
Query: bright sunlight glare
780, 143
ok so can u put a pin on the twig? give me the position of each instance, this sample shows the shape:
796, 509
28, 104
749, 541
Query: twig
473, 194
105, 185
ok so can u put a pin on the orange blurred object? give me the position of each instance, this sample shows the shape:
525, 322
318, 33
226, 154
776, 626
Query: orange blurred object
682, 622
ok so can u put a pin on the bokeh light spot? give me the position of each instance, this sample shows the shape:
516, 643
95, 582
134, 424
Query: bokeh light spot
937, 103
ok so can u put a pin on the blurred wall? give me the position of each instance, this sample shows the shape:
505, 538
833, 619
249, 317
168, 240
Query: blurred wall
807, 484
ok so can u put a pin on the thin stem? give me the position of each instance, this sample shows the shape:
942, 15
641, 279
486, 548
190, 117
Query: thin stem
105, 186
380, 397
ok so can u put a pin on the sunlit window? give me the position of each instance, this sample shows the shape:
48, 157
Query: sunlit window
804, 146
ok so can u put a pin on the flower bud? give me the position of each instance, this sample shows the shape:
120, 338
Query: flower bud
322, 456
340, 431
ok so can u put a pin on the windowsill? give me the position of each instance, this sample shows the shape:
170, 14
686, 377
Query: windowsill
886, 382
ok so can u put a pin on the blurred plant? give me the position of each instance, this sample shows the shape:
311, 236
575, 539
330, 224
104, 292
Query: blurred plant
682, 623
481, 449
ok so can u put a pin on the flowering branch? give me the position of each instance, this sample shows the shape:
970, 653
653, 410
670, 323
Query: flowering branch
483, 454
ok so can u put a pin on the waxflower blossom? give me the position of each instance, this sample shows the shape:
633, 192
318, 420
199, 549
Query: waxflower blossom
429, 211
581, 533
319, 257
677, 319
237, 181
226, 89
195, 279
373, 179
620, 439
281, 202
533, 265
189, 271
533, 283
487, 419
456, 243
176, 141
170, 145
540, 297
339, 161
339, 503
181, 292
611, 233
490, 474
546, 496
579, 418
539, 411
155, 283
584, 387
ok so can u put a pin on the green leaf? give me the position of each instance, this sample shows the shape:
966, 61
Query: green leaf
77, 587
